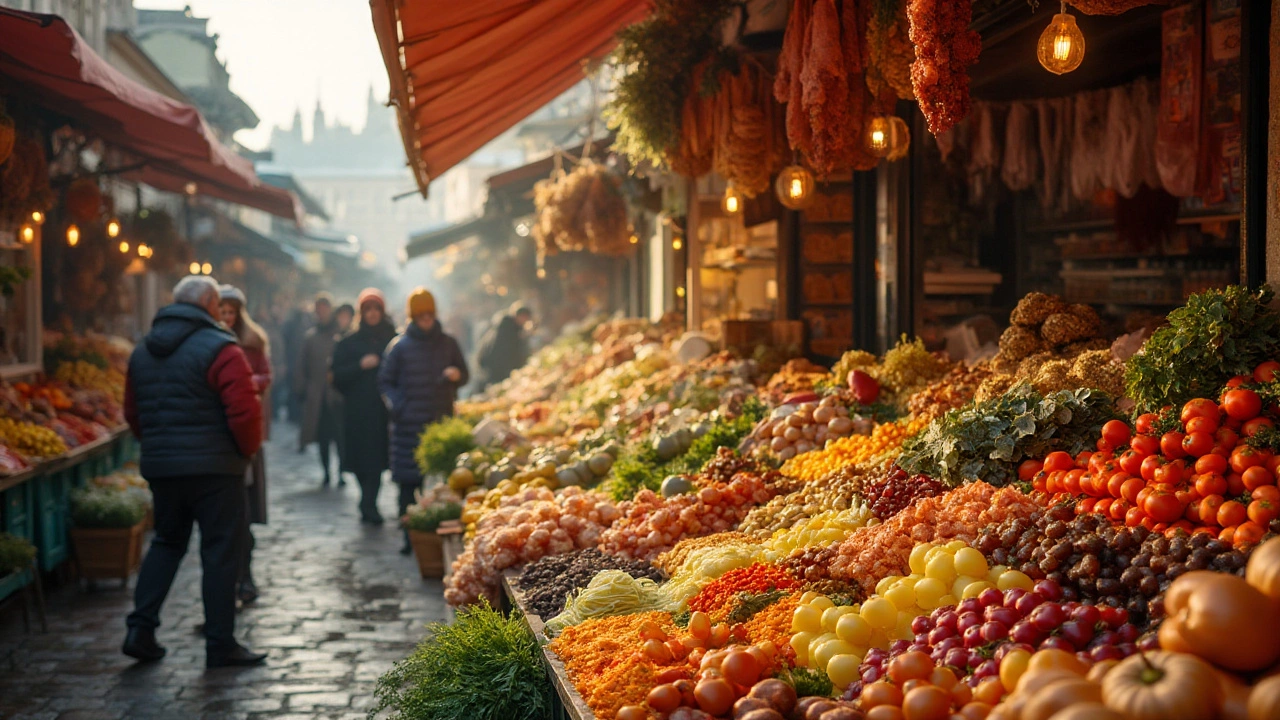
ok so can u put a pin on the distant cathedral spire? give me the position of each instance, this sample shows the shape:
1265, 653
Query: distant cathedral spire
318, 124
296, 128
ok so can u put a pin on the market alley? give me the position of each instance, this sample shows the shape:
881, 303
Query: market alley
339, 605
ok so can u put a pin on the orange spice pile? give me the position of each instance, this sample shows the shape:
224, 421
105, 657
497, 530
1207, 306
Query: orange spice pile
603, 659
718, 597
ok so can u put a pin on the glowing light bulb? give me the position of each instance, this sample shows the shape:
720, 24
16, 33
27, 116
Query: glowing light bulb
113, 228
124, 247
794, 187
679, 292
191, 188
194, 267
677, 244
1061, 46
634, 239
28, 234
37, 217
732, 202
542, 273
207, 268
144, 250
73, 235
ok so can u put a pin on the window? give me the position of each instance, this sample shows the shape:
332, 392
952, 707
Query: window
20, 310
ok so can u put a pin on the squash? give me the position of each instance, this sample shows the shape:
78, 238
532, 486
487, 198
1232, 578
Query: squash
1087, 711
1264, 700
1162, 685
1263, 570
1235, 697
1222, 619
1059, 695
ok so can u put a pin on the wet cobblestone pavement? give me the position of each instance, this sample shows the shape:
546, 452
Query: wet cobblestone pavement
339, 605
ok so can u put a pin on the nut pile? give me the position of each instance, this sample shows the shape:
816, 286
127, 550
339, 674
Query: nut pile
547, 582
797, 429
833, 492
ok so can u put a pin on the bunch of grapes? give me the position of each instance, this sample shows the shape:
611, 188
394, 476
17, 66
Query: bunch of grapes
892, 494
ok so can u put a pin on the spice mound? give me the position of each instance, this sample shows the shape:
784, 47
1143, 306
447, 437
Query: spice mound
547, 582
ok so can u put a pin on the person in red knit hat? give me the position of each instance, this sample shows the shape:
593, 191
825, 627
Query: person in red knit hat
356, 360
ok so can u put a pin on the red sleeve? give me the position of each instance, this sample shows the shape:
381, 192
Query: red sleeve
131, 407
261, 367
232, 377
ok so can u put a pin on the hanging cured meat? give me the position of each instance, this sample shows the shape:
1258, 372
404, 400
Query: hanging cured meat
1178, 124
1111, 7
1087, 146
1146, 104
1021, 158
1055, 131
945, 48
825, 96
855, 16
984, 154
1119, 138
787, 86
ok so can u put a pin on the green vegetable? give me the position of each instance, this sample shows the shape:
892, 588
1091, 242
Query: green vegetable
986, 441
807, 682
15, 553
1217, 335
99, 507
427, 519
483, 666
747, 605
441, 444
1266, 438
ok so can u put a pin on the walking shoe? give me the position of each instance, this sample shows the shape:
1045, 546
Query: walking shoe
247, 592
342, 482
407, 549
325, 482
372, 519
236, 656
140, 644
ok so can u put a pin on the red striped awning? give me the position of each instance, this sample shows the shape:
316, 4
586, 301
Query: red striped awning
462, 73
44, 61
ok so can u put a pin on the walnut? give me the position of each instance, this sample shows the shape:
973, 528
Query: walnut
1035, 308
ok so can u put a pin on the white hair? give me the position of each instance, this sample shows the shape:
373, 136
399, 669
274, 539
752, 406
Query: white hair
198, 290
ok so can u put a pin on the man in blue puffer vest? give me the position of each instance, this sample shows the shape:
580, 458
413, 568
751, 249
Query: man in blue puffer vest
419, 381
191, 400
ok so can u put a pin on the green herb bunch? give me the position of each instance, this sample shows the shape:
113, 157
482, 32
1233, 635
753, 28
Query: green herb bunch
986, 441
747, 605
483, 666
1217, 335
15, 553
100, 507
441, 444
658, 56
807, 682
427, 519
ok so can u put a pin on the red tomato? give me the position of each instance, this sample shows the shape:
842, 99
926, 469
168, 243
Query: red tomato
1266, 371
1145, 445
1227, 439
1228, 534
1143, 494
1197, 444
1134, 517
1085, 506
1239, 380
1082, 460
1115, 483
1163, 507
1248, 533
1241, 404
1119, 509
1235, 484
1252, 427
1170, 473
1103, 507
1208, 484
1145, 422
1131, 489
1200, 423
1192, 513
1232, 513
1116, 433
1071, 482
1150, 465
1255, 477
1245, 457
1059, 461
1199, 407
1270, 493
1214, 464
1040, 483
1263, 512
1101, 462
1171, 445
1131, 462
1029, 469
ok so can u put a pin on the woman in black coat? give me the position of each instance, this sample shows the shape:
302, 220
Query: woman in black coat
419, 378
356, 360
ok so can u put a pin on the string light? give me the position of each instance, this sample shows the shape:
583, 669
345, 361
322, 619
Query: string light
28, 234
677, 244
1061, 46
124, 247
794, 187
634, 239
194, 267
37, 217
73, 235
207, 268
542, 273
113, 228
144, 250
680, 292
732, 202
888, 137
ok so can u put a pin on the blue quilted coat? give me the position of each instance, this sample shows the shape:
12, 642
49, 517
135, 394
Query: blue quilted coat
413, 383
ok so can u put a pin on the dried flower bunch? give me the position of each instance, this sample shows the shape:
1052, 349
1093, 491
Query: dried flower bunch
582, 210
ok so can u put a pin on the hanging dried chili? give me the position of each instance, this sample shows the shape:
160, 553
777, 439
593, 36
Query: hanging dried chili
945, 48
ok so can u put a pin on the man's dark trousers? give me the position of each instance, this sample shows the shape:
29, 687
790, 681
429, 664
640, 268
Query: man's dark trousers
217, 503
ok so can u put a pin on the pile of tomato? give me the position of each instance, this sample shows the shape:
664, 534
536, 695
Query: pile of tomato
1202, 474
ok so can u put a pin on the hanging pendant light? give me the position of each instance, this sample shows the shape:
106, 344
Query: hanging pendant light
732, 202
794, 186
27, 233
1061, 46
73, 235
888, 137
113, 228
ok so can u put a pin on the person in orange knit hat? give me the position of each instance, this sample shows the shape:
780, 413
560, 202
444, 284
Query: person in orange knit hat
419, 379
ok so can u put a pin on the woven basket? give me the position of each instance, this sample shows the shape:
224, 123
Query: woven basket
429, 550
103, 553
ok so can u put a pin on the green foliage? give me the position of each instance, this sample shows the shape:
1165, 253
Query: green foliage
483, 666
99, 507
15, 553
748, 604
441, 444
807, 682
1266, 438
1217, 335
11, 277
659, 55
986, 441
427, 519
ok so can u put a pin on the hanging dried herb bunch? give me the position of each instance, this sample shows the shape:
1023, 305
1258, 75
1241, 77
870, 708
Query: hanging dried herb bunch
582, 210
890, 52
24, 180
659, 56
945, 48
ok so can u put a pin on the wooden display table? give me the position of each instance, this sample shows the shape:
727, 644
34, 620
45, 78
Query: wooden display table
569, 703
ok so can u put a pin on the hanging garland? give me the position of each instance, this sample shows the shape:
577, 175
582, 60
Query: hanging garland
945, 48
582, 210
750, 138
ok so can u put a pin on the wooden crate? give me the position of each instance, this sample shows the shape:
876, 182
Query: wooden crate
103, 553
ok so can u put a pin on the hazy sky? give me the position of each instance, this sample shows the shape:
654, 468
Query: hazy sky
282, 52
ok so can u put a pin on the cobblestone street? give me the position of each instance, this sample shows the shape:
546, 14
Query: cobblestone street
339, 605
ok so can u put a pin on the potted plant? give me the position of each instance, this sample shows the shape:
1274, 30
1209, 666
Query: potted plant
16, 554
106, 532
422, 519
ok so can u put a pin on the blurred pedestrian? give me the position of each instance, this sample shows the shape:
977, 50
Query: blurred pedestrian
504, 347
356, 360
257, 349
420, 377
190, 399
294, 331
319, 415
344, 314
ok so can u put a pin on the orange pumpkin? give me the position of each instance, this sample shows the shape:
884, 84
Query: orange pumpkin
1263, 570
1264, 700
1088, 711
1162, 685
1235, 697
1059, 695
1219, 618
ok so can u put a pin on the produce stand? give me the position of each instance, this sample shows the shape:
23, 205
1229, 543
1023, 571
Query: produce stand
569, 704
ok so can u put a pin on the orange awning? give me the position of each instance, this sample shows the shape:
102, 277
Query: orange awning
462, 73
44, 61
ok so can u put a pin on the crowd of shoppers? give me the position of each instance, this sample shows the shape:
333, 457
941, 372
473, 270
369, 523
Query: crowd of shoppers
199, 396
